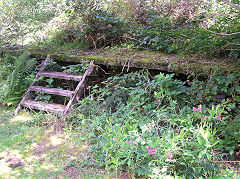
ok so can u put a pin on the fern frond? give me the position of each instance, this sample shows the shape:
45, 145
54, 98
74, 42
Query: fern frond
14, 84
30, 64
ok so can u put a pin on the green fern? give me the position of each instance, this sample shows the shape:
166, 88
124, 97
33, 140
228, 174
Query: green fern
15, 73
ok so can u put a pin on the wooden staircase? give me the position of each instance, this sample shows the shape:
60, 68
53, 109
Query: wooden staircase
55, 108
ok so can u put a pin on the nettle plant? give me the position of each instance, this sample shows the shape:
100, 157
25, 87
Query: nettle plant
77, 69
40, 96
153, 127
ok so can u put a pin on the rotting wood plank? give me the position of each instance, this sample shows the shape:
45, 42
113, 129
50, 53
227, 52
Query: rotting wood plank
80, 87
61, 75
53, 108
54, 91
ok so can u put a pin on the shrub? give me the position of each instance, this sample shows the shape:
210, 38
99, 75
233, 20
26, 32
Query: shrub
161, 34
103, 29
92, 25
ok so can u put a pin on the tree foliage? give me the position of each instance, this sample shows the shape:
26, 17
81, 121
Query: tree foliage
188, 27
21, 19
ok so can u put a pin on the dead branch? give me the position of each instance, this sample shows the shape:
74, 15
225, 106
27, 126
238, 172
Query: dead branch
222, 34
124, 66
103, 70
128, 65
131, 38
94, 42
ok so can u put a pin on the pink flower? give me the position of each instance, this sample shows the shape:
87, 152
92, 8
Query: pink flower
129, 142
151, 152
147, 147
194, 109
170, 155
204, 116
219, 116
199, 109
114, 138
135, 143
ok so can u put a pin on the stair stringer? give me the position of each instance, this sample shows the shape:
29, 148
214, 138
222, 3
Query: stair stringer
80, 88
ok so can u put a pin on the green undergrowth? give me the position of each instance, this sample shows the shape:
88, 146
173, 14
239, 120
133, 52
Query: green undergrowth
161, 127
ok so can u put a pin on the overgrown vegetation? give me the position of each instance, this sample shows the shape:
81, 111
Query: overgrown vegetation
137, 123
147, 125
160, 127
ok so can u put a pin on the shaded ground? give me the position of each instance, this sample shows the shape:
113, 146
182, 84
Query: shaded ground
30, 150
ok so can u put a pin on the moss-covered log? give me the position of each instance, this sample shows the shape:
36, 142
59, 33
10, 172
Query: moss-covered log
124, 57
152, 60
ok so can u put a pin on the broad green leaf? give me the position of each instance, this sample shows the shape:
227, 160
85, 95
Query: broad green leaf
200, 154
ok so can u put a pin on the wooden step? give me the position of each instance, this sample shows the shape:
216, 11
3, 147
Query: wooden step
53, 108
60, 75
55, 91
